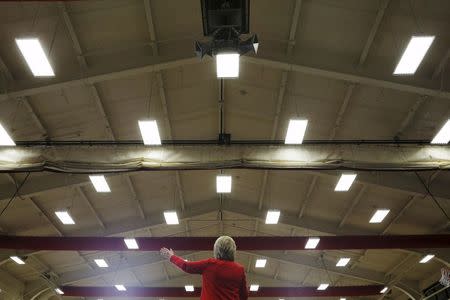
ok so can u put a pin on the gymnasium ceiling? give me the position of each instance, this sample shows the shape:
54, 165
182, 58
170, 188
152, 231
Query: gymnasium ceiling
362, 38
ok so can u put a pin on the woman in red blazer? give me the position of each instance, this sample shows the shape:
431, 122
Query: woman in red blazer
222, 278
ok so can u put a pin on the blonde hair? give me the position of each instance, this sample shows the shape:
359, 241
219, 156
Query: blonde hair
225, 248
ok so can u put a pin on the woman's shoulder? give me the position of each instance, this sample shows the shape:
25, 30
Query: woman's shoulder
228, 262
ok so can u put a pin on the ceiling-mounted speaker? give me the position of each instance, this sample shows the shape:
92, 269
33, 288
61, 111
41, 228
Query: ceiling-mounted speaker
217, 14
249, 45
202, 49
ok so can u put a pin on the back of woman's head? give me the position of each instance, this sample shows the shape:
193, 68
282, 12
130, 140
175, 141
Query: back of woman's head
225, 248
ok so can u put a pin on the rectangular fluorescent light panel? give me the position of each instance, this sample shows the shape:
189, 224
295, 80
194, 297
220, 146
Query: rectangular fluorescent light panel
5, 139
171, 217
260, 263
413, 55
64, 217
426, 259
272, 216
343, 299
345, 182
227, 65
59, 291
223, 184
379, 216
312, 243
254, 287
150, 132
323, 286
101, 263
100, 184
131, 244
120, 287
17, 260
189, 288
343, 262
384, 290
35, 57
442, 137
296, 131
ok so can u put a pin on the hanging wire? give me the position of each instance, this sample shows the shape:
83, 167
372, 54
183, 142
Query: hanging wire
54, 36
151, 81
326, 270
432, 196
444, 68
14, 114
116, 271
15, 194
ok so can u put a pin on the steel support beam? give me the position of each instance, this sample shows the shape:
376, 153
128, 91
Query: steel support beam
25, 100
91, 207
162, 92
342, 110
305, 202
399, 214
441, 66
347, 77
282, 91
245, 243
373, 31
355, 202
424, 89
362, 60
410, 116
91, 86
135, 199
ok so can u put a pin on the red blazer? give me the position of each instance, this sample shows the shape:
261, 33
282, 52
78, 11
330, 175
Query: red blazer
221, 279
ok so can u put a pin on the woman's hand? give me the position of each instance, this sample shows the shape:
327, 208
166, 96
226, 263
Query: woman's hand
166, 253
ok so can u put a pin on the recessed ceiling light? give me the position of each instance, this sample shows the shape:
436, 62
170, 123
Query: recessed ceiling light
18, 260
426, 258
260, 263
65, 217
35, 57
343, 299
223, 184
59, 291
131, 244
120, 287
101, 263
272, 217
227, 65
5, 138
254, 287
413, 55
296, 131
171, 217
312, 243
150, 132
343, 262
100, 184
384, 290
323, 286
443, 136
345, 182
189, 288
379, 216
